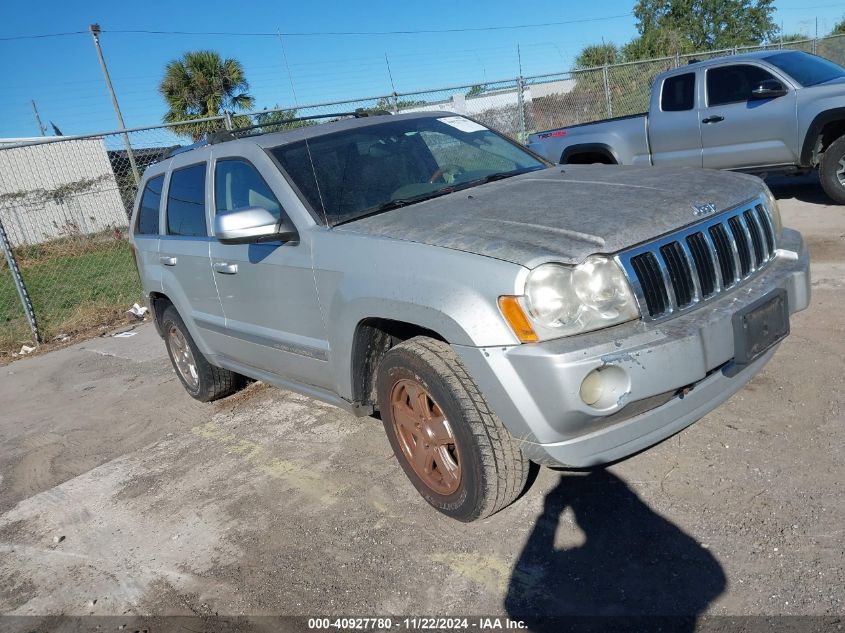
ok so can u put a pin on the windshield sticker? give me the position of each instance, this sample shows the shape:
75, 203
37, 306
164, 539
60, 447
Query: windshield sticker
462, 124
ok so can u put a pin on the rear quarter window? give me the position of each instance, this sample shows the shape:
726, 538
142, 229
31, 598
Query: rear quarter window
148, 210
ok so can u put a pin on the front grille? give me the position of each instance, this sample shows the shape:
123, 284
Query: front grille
676, 272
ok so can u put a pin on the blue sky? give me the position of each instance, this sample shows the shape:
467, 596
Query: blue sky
62, 73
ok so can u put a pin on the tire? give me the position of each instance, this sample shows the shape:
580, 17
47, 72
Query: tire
832, 171
204, 382
491, 469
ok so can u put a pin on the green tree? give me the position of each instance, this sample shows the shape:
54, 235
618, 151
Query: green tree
839, 27
706, 24
658, 43
202, 84
279, 120
476, 91
786, 38
597, 55
385, 104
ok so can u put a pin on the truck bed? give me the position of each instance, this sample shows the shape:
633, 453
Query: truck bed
624, 139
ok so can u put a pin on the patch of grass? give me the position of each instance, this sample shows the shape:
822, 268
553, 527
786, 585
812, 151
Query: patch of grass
70, 289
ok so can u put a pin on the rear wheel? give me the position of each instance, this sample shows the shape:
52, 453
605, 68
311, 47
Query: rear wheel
201, 379
452, 447
832, 170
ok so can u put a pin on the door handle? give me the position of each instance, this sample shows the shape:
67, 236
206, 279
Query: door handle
225, 268
167, 261
713, 119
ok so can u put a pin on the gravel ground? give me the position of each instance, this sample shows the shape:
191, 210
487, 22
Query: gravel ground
119, 495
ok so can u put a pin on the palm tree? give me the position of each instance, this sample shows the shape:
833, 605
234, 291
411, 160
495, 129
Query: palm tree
202, 84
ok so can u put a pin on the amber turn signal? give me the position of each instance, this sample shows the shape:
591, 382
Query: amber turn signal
515, 316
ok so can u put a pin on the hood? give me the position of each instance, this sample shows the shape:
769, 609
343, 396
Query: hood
563, 213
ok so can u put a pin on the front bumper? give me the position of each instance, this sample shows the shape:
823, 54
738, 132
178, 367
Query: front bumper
675, 372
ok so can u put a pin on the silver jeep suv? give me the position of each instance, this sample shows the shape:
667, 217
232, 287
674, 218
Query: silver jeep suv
495, 310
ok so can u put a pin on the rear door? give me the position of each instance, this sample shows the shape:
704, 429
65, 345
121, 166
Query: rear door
737, 131
184, 250
673, 122
145, 234
267, 290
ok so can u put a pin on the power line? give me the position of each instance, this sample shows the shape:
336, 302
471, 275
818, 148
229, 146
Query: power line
408, 32
40, 36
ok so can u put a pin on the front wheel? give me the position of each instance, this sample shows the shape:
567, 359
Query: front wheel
832, 170
452, 447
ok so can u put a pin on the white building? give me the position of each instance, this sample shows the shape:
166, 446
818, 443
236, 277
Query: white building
58, 188
493, 100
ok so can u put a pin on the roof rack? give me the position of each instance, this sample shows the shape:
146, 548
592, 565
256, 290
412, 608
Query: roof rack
181, 149
230, 135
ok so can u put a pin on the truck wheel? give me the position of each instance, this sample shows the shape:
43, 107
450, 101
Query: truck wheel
452, 447
201, 379
832, 170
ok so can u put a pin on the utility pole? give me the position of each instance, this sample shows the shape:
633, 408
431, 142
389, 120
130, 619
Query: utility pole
816, 39
38, 118
95, 34
520, 99
392, 85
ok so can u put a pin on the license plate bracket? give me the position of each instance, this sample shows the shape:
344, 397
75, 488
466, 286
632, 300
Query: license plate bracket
760, 326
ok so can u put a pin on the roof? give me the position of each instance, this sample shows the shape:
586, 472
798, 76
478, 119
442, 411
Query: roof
274, 139
313, 131
744, 56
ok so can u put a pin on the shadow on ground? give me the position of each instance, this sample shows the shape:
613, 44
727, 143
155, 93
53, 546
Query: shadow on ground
634, 564
804, 188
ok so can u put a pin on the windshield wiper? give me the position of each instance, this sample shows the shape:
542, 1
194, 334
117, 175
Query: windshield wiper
500, 175
397, 203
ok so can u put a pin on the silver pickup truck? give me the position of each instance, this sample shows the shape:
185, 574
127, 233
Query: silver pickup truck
766, 112
493, 309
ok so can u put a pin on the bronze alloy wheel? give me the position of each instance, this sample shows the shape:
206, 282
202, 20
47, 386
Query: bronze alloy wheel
425, 437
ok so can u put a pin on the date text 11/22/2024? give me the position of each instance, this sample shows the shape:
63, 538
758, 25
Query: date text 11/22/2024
416, 624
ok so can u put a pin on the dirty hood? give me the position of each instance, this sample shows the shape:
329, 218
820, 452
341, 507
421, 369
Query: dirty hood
564, 213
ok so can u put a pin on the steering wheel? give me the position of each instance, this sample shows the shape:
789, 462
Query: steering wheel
449, 168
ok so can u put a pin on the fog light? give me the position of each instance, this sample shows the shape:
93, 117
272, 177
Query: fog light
604, 388
592, 387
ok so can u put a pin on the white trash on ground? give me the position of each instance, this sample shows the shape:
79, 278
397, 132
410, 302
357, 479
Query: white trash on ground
138, 310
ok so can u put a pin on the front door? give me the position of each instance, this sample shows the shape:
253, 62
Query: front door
738, 131
267, 290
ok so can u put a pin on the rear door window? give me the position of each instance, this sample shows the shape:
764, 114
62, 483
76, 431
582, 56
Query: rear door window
149, 207
186, 202
733, 84
678, 93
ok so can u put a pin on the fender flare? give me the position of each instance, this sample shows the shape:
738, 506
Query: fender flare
589, 148
815, 129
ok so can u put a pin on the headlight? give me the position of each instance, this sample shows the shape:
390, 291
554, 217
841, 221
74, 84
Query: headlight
562, 300
774, 211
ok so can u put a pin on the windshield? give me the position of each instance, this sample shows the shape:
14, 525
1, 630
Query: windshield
379, 167
806, 69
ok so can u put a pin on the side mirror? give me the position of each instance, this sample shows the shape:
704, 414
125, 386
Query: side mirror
768, 89
252, 224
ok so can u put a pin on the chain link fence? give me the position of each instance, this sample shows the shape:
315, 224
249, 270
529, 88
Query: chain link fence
65, 201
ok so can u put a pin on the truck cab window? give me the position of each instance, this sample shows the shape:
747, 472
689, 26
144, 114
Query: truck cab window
678, 93
733, 84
